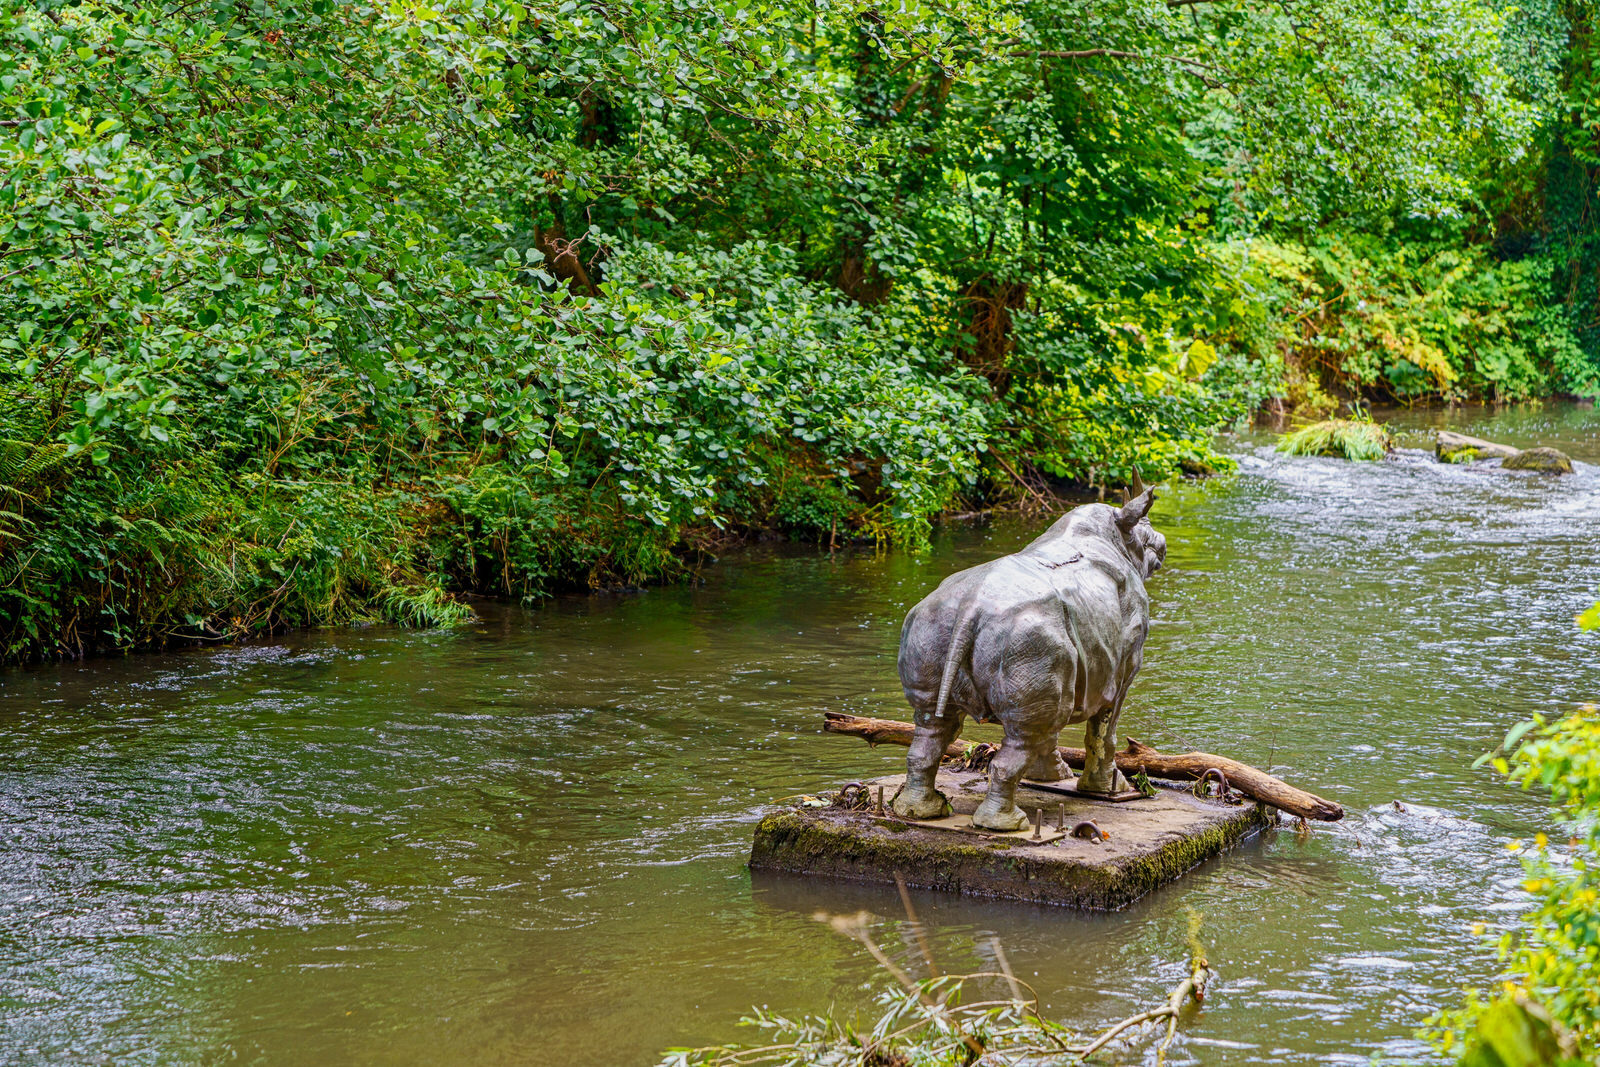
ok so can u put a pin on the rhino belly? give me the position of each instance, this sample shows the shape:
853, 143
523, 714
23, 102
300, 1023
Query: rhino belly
1024, 661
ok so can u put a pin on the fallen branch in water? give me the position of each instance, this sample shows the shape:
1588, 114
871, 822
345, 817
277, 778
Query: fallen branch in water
924, 1022
1193, 986
1187, 766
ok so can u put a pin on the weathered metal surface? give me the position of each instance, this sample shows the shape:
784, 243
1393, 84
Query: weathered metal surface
963, 824
1037, 640
1073, 791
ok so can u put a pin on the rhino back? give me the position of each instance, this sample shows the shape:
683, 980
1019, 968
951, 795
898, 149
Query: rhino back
1024, 630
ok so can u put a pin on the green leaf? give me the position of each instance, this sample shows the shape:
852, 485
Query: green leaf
1517, 733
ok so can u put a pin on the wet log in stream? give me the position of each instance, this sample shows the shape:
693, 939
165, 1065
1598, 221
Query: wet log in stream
1186, 766
1450, 442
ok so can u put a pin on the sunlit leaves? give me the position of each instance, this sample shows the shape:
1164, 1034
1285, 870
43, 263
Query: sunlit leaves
1551, 960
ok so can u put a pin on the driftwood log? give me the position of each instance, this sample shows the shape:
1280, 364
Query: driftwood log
1187, 766
1450, 441
1545, 460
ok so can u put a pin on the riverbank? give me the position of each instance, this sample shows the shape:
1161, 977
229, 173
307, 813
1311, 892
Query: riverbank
198, 554
288, 347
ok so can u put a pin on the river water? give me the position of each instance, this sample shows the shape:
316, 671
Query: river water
523, 841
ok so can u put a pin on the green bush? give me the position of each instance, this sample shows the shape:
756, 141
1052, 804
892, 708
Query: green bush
1399, 318
1552, 960
1354, 439
289, 365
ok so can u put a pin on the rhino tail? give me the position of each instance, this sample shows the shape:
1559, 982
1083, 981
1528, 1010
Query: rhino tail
961, 637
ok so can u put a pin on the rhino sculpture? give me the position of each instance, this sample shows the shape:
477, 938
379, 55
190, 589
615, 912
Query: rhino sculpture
1034, 641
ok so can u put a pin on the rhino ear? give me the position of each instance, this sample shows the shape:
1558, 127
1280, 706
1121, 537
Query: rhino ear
1129, 514
1136, 489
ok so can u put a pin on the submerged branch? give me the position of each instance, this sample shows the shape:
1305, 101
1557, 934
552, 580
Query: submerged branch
1194, 986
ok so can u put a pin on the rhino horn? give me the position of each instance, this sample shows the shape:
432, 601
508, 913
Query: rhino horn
1129, 515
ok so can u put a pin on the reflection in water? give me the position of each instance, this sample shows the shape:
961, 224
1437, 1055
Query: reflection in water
523, 841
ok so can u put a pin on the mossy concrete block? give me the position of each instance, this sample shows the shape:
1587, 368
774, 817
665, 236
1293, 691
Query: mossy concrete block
1152, 842
1543, 460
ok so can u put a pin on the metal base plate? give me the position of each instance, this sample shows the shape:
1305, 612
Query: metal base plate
1073, 791
963, 824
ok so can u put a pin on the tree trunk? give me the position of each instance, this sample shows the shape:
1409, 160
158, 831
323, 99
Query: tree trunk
990, 304
1187, 766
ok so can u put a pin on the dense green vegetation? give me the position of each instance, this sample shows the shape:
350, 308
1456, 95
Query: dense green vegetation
1547, 1009
324, 310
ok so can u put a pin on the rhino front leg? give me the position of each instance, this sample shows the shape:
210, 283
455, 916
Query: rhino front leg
1100, 774
919, 798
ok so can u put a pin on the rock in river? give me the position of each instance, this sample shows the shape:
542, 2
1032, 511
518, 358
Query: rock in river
1544, 460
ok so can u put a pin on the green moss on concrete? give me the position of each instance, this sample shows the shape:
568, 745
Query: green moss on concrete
1132, 878
838, 844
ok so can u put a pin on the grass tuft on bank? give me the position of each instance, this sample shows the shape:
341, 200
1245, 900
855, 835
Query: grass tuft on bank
1353, 439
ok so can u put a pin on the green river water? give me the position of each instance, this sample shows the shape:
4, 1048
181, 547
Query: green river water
523, 841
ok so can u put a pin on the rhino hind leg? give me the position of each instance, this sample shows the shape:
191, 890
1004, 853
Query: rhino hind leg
999, 810
1048, 766
919, 798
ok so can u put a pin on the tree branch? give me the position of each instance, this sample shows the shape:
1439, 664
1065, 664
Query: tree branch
1192, 66
1085, 54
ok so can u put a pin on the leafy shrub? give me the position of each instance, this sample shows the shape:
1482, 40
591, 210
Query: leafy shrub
1551, 960
815, 507
1096, 400
290, 362
1406, 319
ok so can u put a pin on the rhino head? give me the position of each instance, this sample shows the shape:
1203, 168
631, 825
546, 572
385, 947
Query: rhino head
1143, 542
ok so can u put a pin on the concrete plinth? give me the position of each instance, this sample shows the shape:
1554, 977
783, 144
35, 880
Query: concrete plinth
1152, 842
